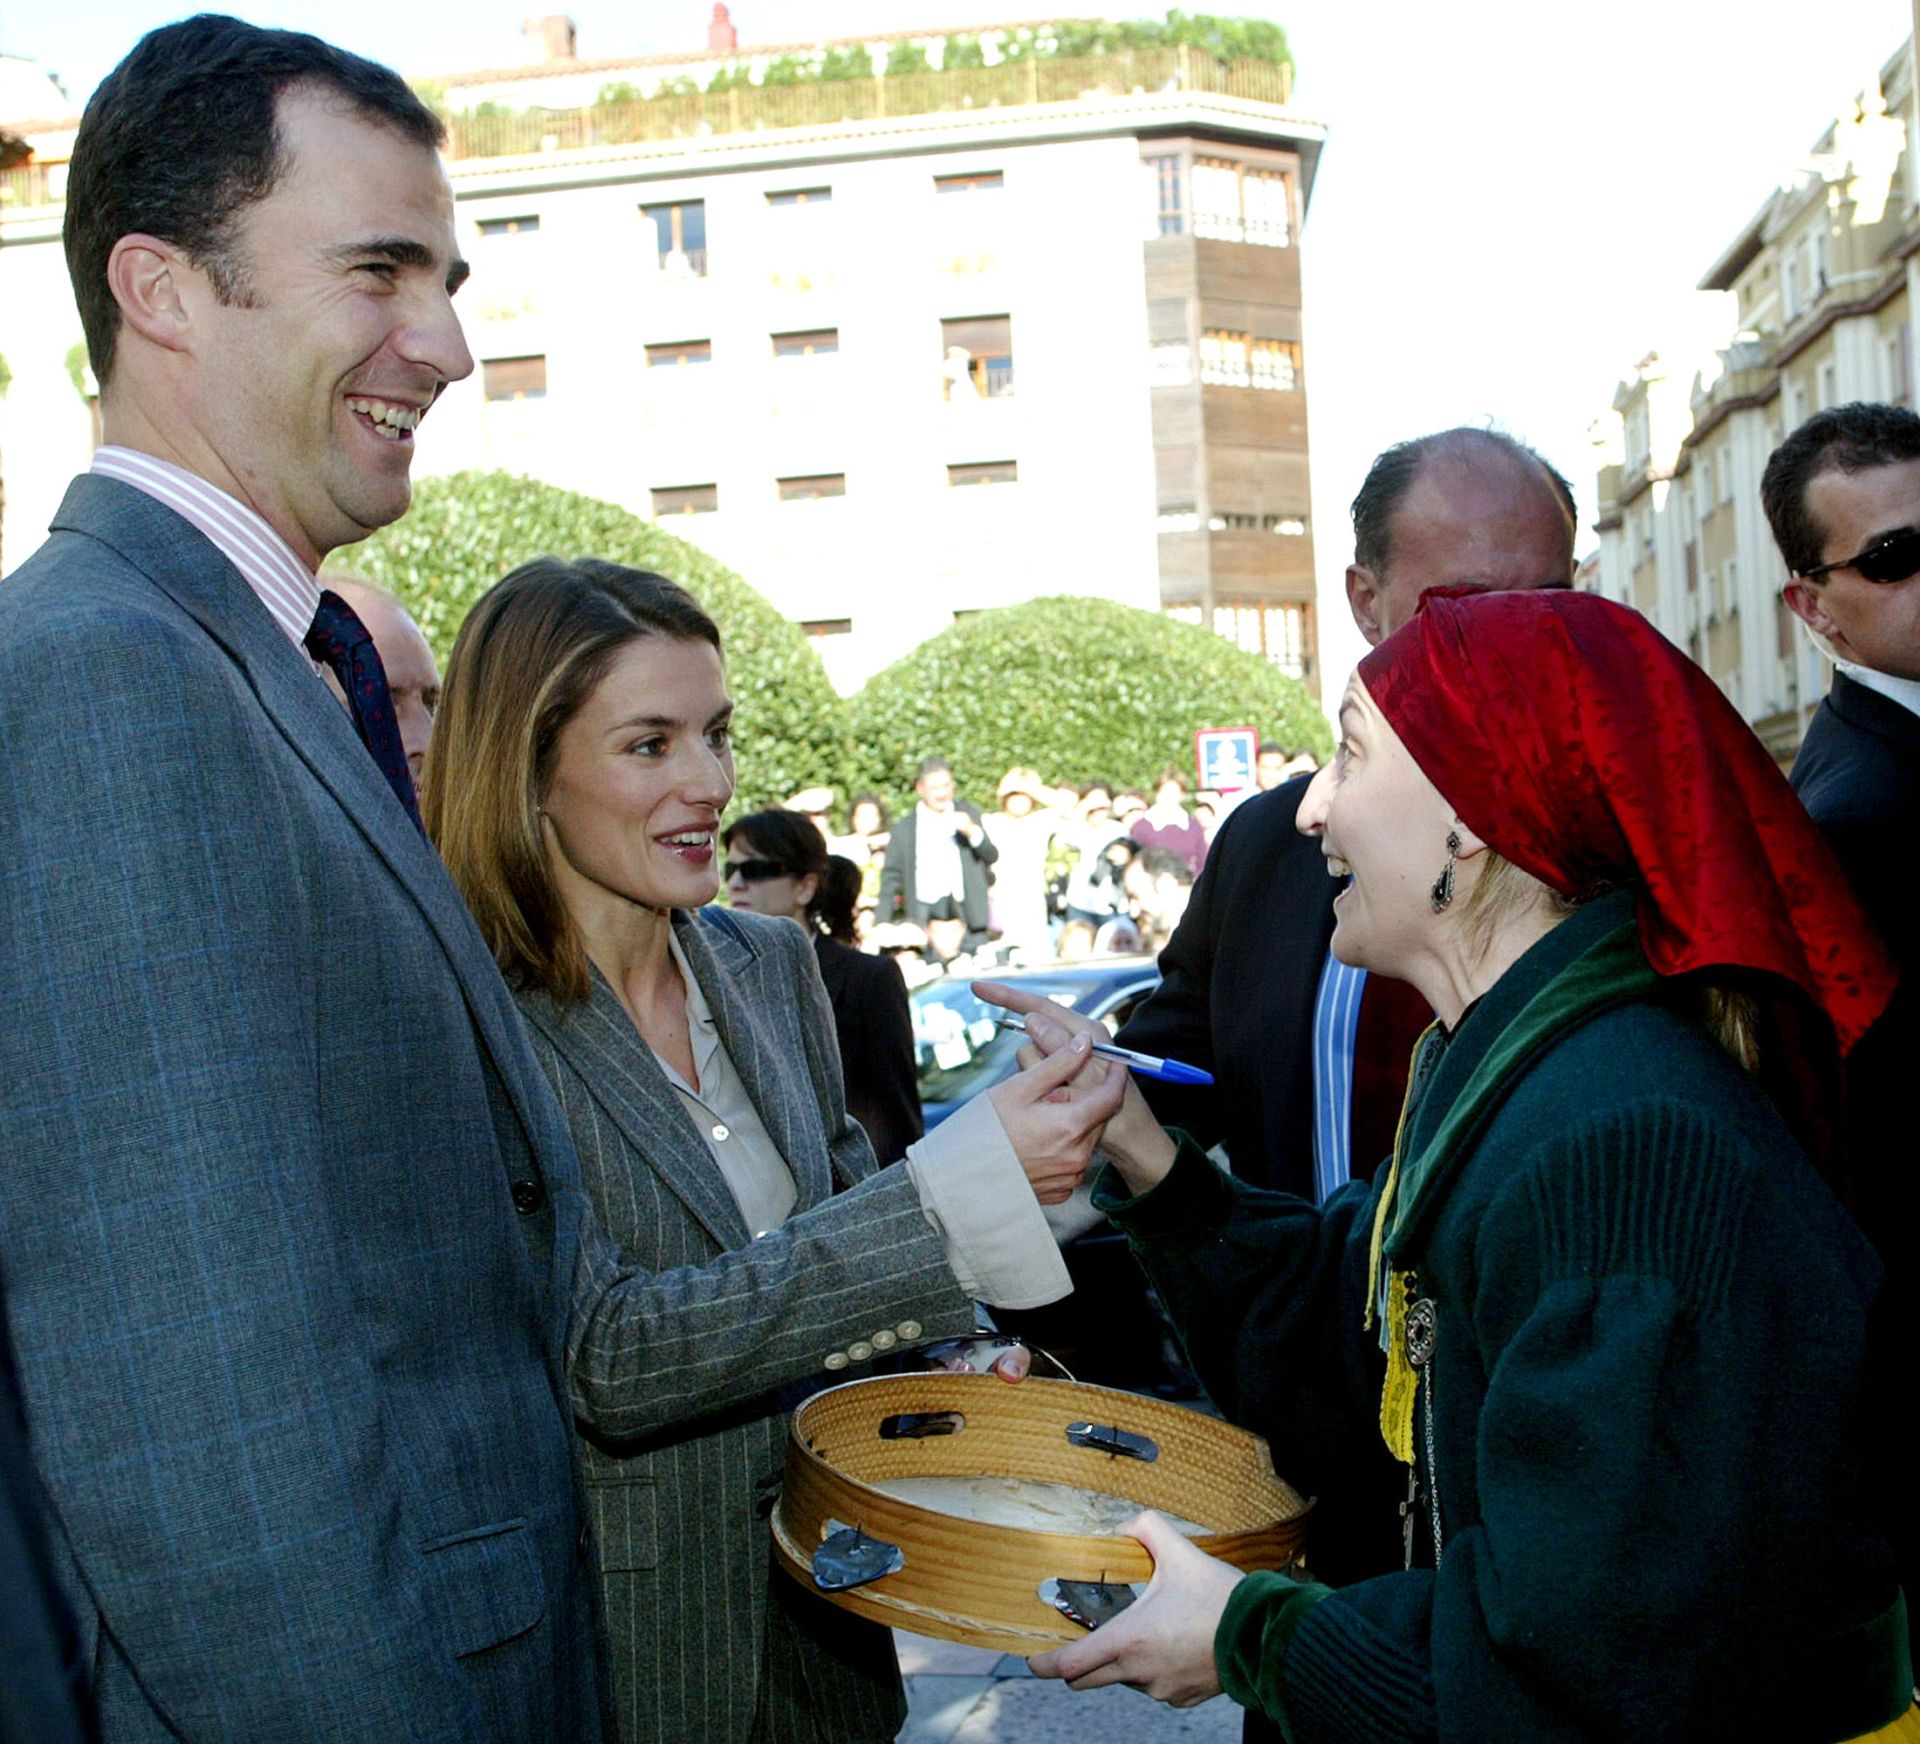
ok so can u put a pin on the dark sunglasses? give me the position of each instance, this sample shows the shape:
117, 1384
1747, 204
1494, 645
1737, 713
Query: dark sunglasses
1895, 558
754, 871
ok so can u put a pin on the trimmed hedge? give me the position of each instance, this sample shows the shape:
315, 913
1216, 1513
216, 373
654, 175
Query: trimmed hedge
1080, 689
465, 531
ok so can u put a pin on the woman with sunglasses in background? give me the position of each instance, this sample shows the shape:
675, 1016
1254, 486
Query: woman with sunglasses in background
777, 864
741, 1246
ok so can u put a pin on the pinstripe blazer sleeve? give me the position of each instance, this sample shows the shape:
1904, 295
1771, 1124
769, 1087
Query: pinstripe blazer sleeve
652, 1349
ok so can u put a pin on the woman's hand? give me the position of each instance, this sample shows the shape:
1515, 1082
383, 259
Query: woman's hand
1134, 1142
1163, 1642
1053, 1113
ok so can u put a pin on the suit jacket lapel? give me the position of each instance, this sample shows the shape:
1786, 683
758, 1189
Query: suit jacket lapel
739, 984
618, 1069
191, 571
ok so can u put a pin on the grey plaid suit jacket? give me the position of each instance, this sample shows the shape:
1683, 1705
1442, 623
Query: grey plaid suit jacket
686, 1329
293, 1360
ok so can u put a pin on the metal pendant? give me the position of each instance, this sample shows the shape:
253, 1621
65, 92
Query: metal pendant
1423, 1320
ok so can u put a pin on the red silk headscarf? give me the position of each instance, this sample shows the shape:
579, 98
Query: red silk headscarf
1579, 743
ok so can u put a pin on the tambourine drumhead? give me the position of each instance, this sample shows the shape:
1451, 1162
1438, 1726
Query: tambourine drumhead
977, 1445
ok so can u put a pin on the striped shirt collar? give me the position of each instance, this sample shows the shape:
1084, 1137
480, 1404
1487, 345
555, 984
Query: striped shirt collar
285, 586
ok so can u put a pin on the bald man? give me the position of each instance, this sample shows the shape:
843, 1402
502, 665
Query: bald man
412, 675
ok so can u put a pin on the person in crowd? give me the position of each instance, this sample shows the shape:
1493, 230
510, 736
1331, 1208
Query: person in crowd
938, 865
291, 1211
1842, 494
1158, 883
865, 844
1022, 830
1077, 939
1129, 805
815, 804
1269, 766
1601, 1272
1093, 895
777, 864
745, 1247
1309, 1054
413, 678
1168, 824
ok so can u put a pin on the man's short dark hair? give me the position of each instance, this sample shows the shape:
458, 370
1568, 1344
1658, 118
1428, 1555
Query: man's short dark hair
1393, 471
1164, 863
931, 766
1850, 438
180, 138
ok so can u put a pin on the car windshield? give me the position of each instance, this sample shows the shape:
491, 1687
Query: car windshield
957, 1047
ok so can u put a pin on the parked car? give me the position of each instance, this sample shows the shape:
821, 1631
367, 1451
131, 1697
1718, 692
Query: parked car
958, 1049
1111, 1329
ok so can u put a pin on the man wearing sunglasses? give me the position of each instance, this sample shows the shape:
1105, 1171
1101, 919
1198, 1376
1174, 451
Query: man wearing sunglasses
1842, 494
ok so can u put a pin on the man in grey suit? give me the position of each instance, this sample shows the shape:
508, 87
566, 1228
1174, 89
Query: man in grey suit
291, 1214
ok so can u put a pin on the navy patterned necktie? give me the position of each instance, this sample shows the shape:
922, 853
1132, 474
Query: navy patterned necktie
340, 641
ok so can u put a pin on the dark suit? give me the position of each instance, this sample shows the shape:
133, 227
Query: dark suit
687, 1329
43, 1683
287, 1194
1239, 980
1858, 773
897, 874
874, 1027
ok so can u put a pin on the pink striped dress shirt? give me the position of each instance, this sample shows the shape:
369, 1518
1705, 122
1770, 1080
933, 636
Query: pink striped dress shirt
283, 582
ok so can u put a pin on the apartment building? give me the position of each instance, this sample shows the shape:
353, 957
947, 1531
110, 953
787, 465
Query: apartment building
1822, 286
896, 347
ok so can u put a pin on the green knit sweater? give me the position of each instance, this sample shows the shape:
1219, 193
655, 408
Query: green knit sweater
1662, 1432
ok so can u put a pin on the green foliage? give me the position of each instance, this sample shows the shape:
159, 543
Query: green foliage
677, 86
847, 63
962, 51
80, 368
786, 70
1081, 689
906, 57
433, 94
734, 76
492, 111
6, 378
620, 91
1231, 39
464, 532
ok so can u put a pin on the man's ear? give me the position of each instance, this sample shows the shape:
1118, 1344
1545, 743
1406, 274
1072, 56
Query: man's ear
1363, 600
1804, 601
148, 279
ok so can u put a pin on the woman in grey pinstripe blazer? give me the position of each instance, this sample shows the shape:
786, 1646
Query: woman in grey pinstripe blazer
748, 1248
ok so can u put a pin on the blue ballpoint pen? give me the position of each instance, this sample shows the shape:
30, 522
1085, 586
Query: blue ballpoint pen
1153, 1066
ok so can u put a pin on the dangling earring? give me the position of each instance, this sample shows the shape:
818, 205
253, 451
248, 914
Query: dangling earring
1441, 896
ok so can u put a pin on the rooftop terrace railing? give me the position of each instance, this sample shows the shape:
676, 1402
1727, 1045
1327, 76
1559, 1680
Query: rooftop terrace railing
832, 102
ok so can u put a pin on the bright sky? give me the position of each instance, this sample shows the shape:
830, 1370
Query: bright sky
1514, 204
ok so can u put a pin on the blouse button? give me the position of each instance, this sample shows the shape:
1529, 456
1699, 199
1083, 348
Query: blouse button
859, 1350
837, 1359
720, 1132
884, 1340
908, 1329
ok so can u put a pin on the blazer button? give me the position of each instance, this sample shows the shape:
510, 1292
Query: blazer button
859, 1350
884, 1340
908, 1329
528, 1197
837, 1359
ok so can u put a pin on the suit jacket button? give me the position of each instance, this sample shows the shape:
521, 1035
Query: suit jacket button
859, 1350
908, 1329
837, 1359
528, 1197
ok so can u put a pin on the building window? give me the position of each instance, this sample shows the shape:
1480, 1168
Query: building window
509, 226
820, 627
1170, 364
685, 499
812, 486
800, 197
1287, 526
979, 356
680, 236
973, 182
1179, 518
676, 352
1235, 202
984, 472
1223, 358
1276, 364
1168, 194
820, 342
514, 378
1281, 633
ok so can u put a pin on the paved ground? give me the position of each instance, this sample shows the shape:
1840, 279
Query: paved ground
964, 1695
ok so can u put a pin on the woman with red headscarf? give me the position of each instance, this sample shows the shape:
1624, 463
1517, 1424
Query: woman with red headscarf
1602, 1304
